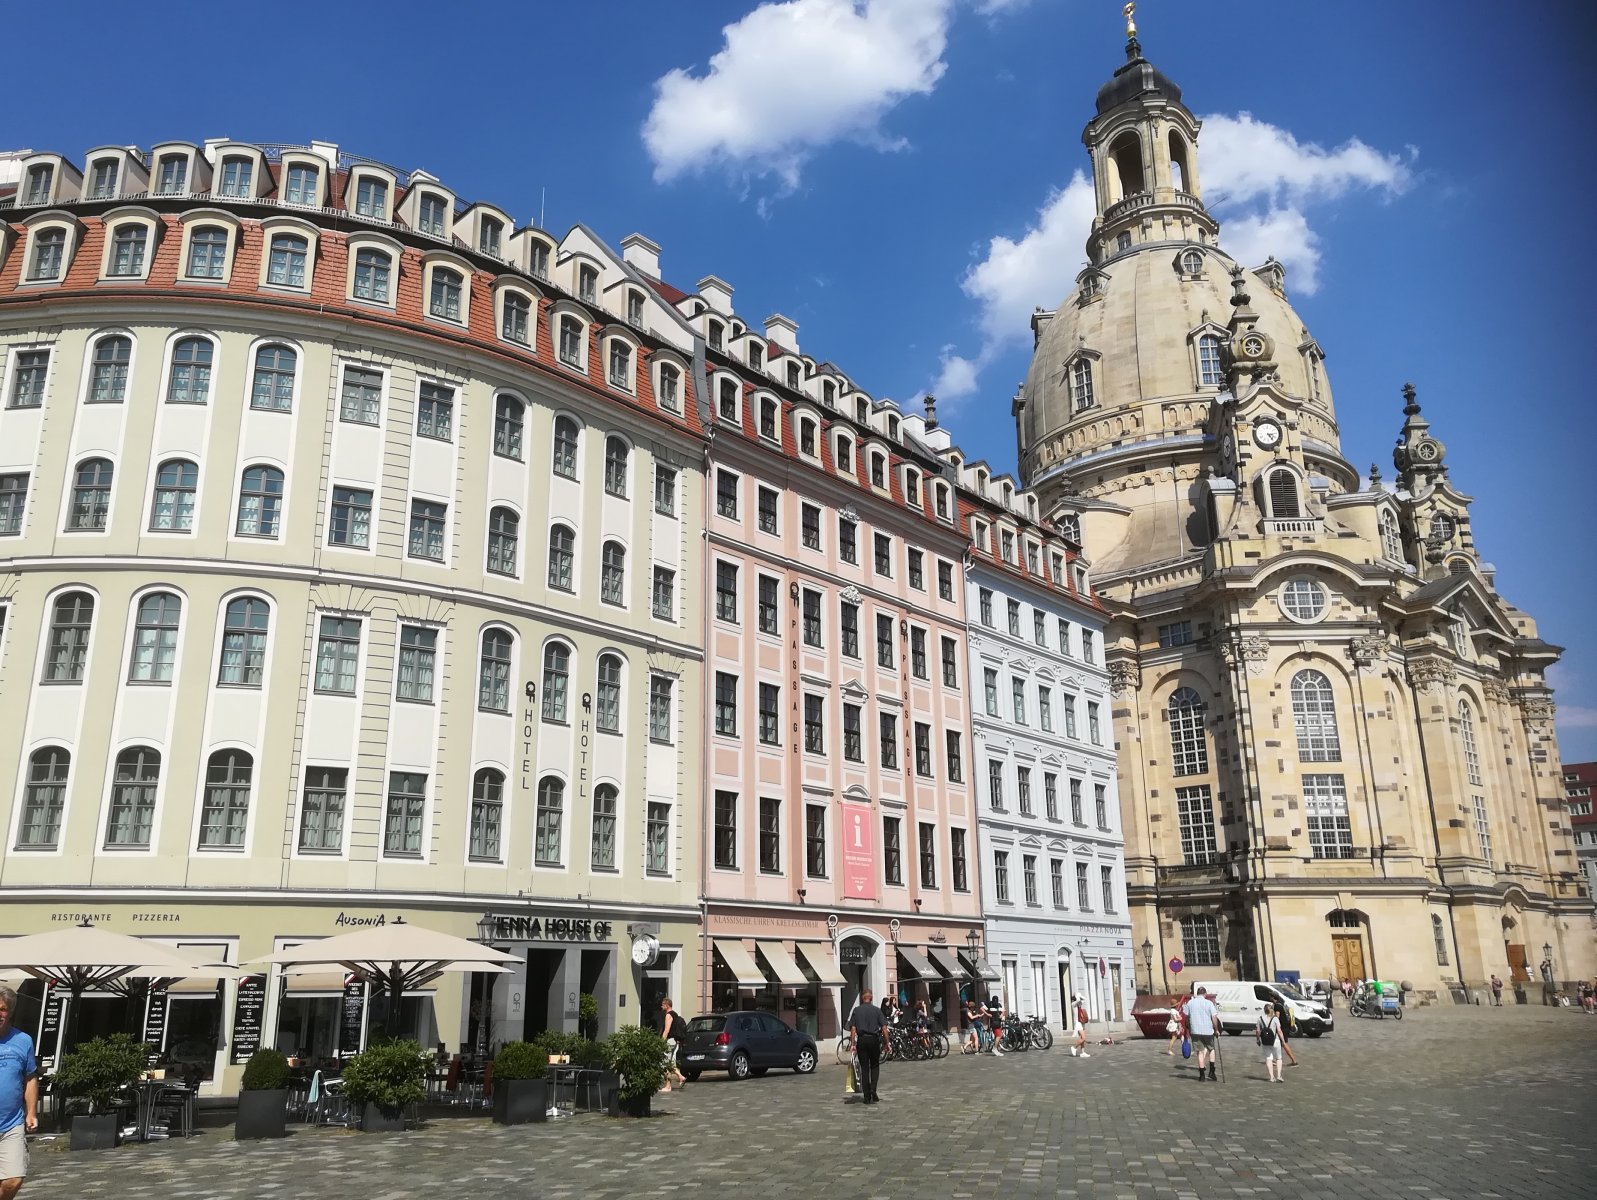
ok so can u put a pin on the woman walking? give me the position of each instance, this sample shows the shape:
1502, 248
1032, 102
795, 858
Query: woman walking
1080, 1048
1268, 1035
1176, 1026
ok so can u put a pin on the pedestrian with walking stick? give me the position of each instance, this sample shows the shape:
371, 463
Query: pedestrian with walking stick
1203, 1018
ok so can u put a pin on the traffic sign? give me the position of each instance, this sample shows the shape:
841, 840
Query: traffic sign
1175, 966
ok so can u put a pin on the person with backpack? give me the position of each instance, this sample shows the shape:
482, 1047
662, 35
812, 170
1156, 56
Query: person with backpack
674, 1030
1079, 1050
1268, 1034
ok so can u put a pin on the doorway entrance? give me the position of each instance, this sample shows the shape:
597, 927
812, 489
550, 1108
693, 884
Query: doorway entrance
1116, 999
854, 960
1347, 956
1067, 995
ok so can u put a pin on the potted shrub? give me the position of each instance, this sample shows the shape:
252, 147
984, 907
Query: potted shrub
637, 1055
521, 1086
97, 1072
385, 1079
588, 1015
263, 1099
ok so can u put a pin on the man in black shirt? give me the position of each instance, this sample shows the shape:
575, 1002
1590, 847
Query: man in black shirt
865, 1026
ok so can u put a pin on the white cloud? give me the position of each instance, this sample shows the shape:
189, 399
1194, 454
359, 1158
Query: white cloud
1576, 716
791, 78
1256, 177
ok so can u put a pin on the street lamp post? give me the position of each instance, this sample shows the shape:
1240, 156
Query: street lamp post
1147, 961
487, 928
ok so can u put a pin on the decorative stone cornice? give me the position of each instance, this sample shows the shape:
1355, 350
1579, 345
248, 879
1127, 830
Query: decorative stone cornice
1495, 691
1367, 649
852, 594
1427, 674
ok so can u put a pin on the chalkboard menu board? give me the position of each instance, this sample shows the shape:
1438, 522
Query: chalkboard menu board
50, 1028
351, 1014
249, 1013
155, 1021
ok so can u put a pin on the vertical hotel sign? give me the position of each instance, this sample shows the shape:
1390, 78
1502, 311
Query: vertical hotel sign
859, 852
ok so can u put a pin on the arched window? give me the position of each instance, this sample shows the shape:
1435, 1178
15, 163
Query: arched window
132, 815
1191, 262
1314, 714
190, 379
155, 638
1123, 241
260, 503
1070, 526
1440, 938
516, 321
1178, 162
1200, 941
570, 347
844, 454
445, 296
224, 815
616, 457
604, 827
620, 365
207, 252
285, 264
556, 678
607, 695
1209, 373
1283, 495
45, 799
551, 802
244, 632
562, 554
91, 495
504, 530
127, 249
302, 183
372, 271
49, 254
273, 385
1127, 178
487, 813
1081, 393
1189, 746
565, 447
612, 574
1391, 537
510, 417
172, 510
670, 396
1466, 737
493, 671
71, 622
108, 376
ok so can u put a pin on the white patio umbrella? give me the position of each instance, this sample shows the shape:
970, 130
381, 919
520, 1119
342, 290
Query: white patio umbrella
396, 958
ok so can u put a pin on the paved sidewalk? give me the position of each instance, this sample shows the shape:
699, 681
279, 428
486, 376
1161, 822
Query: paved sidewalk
1448, 1103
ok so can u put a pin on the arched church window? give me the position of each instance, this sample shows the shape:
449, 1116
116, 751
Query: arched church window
1314, 714
1441, 940
1283, 494
1209, 373
1189, 747
1126, 155
1081, 393
1466, 737
1178, 162
1391, 537
1070, 526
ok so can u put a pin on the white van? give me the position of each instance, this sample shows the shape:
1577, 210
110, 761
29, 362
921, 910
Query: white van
1241, 1003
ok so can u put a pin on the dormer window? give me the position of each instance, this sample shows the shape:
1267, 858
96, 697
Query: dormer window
570, 349
129, 242
978, 534
807, 436
768, 417
172, 178
302, 184
717, 335
1091, 286
829, 392
620, 365
1191, 263
207, 252
430, 214
1006, 539
1070, 526
516, 325
940, 500
878, 470
794, 376
892, 427
490, 236
844, 454
862, 411
670, 389
1209, 372
756, 356
444, 300
49, 254
372, 270
238, 176
285, 265
371, 198
635, 309
1057, 564
1081, 388
912, 488
1032, 559
40, 177
981, 482
102, 183
727, 400
540, 260
588, 284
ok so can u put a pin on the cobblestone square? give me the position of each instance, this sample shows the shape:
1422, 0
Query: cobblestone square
1448, 1103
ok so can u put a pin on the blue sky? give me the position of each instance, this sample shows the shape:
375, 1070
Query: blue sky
850, 163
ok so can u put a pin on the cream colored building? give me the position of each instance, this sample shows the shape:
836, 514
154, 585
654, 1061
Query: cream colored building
349, 541
1337, 753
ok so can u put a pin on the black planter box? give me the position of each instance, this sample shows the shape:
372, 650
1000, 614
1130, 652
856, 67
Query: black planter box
382, 1120
262, 1114
101, 1132
520, 1101
637, 1106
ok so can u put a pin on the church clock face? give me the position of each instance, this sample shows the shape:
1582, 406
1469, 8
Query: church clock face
1267, 435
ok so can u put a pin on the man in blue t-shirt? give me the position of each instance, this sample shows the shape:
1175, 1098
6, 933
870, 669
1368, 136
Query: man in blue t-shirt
1203, 1019
19, 1097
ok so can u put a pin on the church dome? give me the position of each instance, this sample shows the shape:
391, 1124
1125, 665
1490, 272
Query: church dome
1135, 78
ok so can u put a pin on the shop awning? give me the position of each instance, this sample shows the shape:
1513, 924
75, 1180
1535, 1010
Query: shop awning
741, 963
948, 964
920, 967
781, 962
198, 984
978, 966
823, 961
314, 983
192, 987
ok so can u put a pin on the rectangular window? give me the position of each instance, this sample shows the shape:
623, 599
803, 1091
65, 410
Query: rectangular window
1195, 816
659, 708
888, 726
173, 177
769, 615
657, 839
1045, 708
848, 540
1326, 814
371, 198
990, 686
1050, 795
1028, 878
945, 581
1017, 696
950, 650
337, 655
923, 750
956, 762
995, 784
351, 519
1100, 801
665, 490
1023, 790
321, 813
1056, 878
814, 725
1088, 654
360, 396
1083, 895
849, 626
418, 657
726, 591
884, 640
1076, 816
27, 379
427, 519
810, 526
726, 704
767, 510
726, 493
13, 503
770, 835
928, 855
1068, 703
986, 607
1039, 629
407, 806
1001, 876
853, 735
1094, 729
770, 714
815, 841
1064, 637
665, 593
812, 618
103, 182
893, 851
1014, 618
917, 570
1176, 633
1106, 878
602, 848
726, 831
958, 860
884, 554
917, 653
435, 411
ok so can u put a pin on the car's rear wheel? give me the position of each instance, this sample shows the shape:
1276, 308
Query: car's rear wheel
740, 1066
806, 1061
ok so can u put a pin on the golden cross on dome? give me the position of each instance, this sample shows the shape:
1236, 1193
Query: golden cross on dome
1131, 19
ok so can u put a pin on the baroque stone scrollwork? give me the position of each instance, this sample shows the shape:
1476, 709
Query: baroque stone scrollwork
1428, 673
1537, 711
1495, 691
1367, 649
1250, 651
1124, 676
852, 594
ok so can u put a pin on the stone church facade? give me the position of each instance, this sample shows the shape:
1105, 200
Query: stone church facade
1337, 752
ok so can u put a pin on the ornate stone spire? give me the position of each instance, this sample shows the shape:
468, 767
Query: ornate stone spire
1418, 457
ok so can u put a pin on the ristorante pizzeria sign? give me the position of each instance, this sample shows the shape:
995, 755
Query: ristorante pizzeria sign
551, 929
